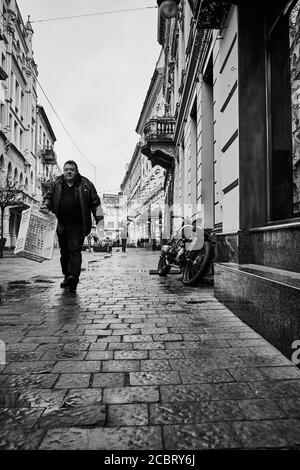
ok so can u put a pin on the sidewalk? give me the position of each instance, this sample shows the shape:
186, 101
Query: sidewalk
135, 361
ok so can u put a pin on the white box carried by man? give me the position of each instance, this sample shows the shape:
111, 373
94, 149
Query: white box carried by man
36, 235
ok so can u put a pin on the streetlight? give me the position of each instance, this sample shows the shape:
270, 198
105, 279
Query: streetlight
168, 8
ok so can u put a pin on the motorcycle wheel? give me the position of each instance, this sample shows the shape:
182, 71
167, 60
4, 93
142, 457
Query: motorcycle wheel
163, 268
195, 269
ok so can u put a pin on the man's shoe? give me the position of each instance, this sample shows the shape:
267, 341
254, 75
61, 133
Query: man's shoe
65, 283
72, 283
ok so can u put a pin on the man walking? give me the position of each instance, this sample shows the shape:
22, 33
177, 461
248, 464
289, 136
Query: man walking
72, 198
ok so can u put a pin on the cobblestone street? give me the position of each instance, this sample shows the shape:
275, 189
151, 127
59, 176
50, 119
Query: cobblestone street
134, 361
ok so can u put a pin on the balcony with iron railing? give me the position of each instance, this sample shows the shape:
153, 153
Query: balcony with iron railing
48, 154
158, 128
159, 141
45, 181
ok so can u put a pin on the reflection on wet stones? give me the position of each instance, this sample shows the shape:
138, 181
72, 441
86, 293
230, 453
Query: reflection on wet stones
90, 416
23, 381
18, 439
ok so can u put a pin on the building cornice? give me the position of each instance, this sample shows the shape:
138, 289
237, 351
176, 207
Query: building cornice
153, 90
43, 115
132, 162
21, 29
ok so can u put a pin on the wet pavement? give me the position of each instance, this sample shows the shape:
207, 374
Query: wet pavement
133, 361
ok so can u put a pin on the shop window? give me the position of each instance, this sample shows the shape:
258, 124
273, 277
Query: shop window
295, 102
284, 100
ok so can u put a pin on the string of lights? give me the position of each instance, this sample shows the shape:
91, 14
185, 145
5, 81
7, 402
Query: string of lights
60, 18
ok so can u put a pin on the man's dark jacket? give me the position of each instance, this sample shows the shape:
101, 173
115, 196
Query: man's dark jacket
88, 198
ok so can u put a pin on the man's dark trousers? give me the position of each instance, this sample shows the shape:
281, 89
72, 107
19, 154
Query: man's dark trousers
70, 242
124, 243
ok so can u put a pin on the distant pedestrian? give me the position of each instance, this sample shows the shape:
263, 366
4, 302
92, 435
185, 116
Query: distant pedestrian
73, 198
124, 236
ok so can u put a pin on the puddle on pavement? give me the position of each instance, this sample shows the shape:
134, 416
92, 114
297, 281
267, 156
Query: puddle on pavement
12, 284
13, 291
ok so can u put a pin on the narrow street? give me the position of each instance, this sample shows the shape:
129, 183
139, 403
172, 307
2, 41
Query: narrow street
133, 361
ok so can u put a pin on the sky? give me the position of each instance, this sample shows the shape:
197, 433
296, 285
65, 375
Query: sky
96, 72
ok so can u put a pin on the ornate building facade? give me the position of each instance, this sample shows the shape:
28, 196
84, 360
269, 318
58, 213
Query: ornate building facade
143, 184
20, 116
112, 219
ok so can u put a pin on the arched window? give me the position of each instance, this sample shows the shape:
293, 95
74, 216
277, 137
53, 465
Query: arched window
9, 170
31, 177
21, 179
26, 184
16, 174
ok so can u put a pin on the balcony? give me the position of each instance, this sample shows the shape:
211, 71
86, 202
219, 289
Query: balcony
159, 141
48, 154
211, 13
45, 181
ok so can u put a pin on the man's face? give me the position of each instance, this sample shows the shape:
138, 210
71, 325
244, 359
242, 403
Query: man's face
70, 172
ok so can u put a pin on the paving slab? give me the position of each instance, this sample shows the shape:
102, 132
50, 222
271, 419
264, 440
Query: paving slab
127, 414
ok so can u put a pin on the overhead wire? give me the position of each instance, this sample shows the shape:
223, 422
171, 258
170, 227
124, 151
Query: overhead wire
70, 136
91, 14
63, 125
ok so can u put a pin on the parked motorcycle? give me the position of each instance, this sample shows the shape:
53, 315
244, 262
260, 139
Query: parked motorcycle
191, 249
198, 260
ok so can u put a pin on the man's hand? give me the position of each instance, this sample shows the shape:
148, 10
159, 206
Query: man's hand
44, 209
